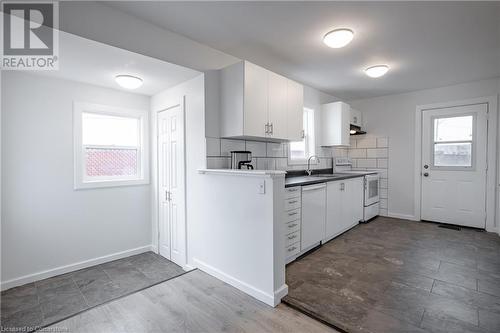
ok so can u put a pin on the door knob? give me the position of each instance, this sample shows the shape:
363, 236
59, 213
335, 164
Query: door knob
426, 174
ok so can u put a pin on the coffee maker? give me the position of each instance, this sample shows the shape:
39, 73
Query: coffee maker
241, 159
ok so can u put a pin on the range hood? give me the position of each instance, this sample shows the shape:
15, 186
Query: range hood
356, 130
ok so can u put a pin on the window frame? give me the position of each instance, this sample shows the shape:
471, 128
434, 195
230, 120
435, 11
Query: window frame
473, 143
81, 181
307, 138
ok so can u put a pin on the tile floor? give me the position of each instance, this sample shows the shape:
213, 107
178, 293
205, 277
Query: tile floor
399, 276
47, 301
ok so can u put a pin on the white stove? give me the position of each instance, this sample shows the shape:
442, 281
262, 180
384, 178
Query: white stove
371, 184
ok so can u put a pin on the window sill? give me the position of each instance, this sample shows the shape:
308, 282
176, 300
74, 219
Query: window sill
109, 183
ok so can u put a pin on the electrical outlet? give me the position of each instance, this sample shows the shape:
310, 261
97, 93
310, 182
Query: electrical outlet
262, 187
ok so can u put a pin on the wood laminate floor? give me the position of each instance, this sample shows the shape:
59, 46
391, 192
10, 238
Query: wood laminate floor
394, 275
193, 302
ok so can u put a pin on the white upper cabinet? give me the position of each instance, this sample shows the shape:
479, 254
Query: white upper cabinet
356, 117
295, 110
256, 99
259, 104
278, 105
335, 120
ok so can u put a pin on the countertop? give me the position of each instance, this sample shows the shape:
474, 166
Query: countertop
310, 180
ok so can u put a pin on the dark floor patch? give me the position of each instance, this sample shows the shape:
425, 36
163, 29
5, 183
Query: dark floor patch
399, 276
449, 226
35, 305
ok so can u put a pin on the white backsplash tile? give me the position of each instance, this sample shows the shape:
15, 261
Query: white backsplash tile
382, 163
218, 162
383, 183
383, 203
213, 147
377, 152
383, 212
276, 150
368, 142
264, 163
281, 164
382, 142
383, 193
366, 163
357, 153
257, 148
227, 145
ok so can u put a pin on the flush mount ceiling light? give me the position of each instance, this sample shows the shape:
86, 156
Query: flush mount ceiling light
338, 38
377, 71
128, 81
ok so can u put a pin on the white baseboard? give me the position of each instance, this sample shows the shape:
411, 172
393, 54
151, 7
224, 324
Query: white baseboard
72, 267
271, 299
403, 216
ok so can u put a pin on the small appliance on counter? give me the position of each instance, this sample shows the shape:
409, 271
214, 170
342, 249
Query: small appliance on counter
371, 199
241, 159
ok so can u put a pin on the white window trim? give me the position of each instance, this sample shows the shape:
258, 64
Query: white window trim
78, 168
303, 161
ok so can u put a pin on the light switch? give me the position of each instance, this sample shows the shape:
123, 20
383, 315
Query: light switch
262, 187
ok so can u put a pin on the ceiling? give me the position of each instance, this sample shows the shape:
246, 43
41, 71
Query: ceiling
426, 44
87, 61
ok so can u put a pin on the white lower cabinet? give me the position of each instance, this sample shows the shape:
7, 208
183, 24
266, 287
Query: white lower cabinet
320, 212
313, 215
344, 206
293, 203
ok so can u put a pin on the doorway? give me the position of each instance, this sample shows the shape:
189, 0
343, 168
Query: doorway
171, 183
454, 163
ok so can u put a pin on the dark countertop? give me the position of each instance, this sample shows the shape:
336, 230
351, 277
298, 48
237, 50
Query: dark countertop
317, 179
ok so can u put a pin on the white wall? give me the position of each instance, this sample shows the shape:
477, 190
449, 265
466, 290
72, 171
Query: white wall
193, 92
46, 224
394, 116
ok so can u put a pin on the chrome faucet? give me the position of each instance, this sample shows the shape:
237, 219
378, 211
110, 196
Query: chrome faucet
309, 171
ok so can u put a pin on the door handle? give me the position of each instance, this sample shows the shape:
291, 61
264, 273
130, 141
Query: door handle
266, 126
426, 174
272, 130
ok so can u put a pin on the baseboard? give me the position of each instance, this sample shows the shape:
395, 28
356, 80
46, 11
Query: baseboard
280, 293
72, 267
269, 299
402, 216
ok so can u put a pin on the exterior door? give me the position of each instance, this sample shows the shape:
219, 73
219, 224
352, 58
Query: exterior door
171, 198
454, 146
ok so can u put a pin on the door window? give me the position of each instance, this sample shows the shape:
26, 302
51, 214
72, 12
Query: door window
453, 139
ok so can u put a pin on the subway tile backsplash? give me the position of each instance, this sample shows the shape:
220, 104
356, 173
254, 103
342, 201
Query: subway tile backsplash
265, 155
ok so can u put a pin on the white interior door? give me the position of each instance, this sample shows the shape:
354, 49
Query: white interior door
454, 146
171, 184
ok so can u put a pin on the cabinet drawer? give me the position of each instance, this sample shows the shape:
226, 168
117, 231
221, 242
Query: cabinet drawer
292, 238
292, 192
292, 227
292, 203
292, 250
292, 215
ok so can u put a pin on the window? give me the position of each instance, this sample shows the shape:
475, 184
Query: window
453, 141
300, 151
110, 146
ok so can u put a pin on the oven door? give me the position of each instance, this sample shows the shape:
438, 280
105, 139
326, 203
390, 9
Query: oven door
371, 189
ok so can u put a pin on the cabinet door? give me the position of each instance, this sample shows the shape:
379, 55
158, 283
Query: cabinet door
352, 202
295, 110
278, 105
313, 215
334, 223
256, 92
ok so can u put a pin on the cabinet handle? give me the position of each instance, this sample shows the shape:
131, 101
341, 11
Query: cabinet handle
292, 248
292, 202
292, 237
272, 129
342, 187
303, 134
292, 214
266, 126
292, 225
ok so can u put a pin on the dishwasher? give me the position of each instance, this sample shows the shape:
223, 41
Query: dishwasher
313, 215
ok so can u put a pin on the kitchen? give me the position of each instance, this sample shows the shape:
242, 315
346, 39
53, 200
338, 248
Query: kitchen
328, 173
